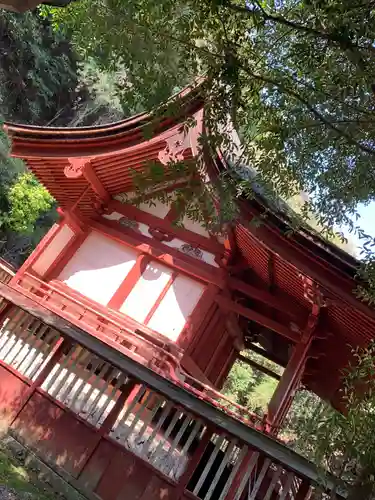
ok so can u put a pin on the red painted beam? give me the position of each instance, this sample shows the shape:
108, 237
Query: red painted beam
161, 296
284, 394
189, 365
288, 383
170, 256
129, 282
259, 367
34, 256
277, 302
95, 183
235, 331
262, 352
273, 325
70, 218
165, 224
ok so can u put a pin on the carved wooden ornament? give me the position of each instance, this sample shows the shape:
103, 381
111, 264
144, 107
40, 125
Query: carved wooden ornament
75, 168
175, 148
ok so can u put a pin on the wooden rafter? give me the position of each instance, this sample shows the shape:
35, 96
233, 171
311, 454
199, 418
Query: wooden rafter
271, 272
78, 167
95, 183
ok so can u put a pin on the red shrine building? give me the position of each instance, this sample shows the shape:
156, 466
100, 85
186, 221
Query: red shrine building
119, 331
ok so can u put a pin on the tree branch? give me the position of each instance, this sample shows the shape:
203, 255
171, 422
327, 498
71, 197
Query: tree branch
319, 124
343, 43
311, 108
287, 91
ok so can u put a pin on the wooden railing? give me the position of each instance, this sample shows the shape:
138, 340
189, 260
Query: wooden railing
6, 271
138, 431
143, 347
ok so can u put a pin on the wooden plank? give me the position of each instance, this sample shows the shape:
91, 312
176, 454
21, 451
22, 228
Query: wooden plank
93, 471
157, 489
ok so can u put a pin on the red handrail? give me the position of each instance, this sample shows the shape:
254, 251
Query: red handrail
172, 367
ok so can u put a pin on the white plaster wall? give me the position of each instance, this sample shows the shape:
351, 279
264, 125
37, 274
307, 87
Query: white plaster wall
146, 291
157, 208
143, 228
207, 257
175, 308
53, 250
98, 267
195, 227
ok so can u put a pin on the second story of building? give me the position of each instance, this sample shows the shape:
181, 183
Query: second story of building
128, 266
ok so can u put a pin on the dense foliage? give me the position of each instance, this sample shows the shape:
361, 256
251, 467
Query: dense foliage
341, 442
250, 387
40, 84
296, 77
26, 208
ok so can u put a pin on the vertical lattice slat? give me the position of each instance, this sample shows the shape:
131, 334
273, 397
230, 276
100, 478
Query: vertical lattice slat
262, 473
149, 425
287, 486
273, 482
238, 462
246, 476
154, 429
207, 468
26, 343
85, 384
228, 453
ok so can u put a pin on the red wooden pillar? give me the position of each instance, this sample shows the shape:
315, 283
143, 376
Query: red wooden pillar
129, 282
284, 392
34, 256
250, 459
283, 396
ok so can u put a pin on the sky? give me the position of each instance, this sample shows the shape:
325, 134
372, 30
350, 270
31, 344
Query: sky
366, 222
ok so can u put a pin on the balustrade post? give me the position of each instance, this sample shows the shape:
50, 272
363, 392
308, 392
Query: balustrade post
303, 490
246, 462
5, 308
193, 463
109, 421
56, 353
